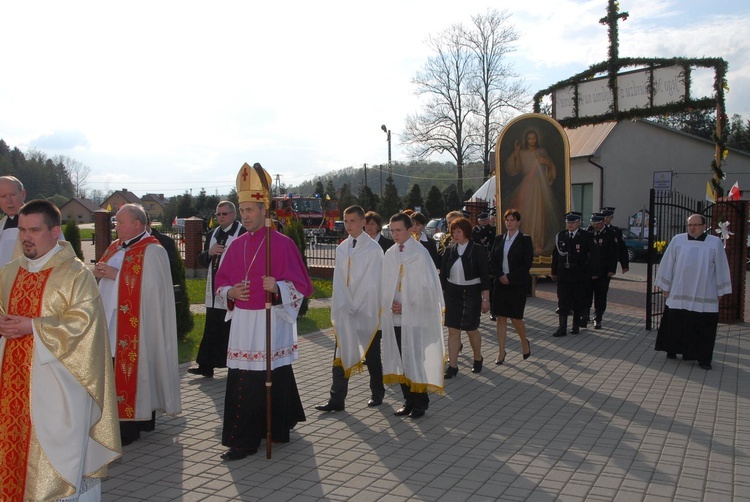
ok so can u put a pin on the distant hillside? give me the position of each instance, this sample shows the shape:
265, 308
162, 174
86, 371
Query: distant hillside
425, 174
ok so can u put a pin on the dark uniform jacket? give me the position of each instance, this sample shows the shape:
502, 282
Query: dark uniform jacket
609, 252
575, 259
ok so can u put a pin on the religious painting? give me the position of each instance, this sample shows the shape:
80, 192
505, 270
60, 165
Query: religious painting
532, 170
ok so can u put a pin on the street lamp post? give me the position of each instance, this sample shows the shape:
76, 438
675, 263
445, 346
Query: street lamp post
388, 132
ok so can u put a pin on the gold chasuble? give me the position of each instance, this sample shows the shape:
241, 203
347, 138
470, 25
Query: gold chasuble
58, 416
15, 387
128, 328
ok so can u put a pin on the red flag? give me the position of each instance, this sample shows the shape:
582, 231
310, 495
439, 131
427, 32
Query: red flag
734, 192
175, 221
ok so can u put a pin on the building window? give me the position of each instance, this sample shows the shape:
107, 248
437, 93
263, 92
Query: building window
583, 199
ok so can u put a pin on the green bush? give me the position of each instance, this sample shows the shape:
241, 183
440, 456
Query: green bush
73, 235
295, 231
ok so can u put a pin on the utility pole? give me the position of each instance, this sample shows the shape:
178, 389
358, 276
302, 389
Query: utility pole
365, 174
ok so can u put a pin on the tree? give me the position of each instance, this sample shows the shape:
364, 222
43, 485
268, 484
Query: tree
443, 124
346, 199
739, 133
77, 172
494, 81
330, 189
390, 204
367, 199
434, 205
319, 189
414, 198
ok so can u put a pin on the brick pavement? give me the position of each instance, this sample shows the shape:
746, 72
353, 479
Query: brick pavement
597, 416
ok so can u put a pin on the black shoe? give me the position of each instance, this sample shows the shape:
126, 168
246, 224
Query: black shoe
416, 413
560, 332
450, 372
501, 361
403, 411
575, 330
597, 324
671, 355
374, 402
329, 406
705, 365
202, 371
476, 369
237, 453
493, 318
527, 354
130, 439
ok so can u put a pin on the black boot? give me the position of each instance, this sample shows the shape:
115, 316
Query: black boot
562, 329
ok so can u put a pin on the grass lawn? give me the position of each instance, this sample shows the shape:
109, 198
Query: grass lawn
314, 320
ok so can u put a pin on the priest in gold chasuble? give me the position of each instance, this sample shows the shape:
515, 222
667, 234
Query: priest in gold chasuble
58, 415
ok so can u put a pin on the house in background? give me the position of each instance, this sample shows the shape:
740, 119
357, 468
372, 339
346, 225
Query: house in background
614, 164
79, 210
119, 198
154, 204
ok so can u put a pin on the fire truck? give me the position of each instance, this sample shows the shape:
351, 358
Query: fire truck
316, 215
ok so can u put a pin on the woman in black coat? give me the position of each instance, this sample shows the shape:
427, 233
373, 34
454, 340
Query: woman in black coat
464, 274
511, 258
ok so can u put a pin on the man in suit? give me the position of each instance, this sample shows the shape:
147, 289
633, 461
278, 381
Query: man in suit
622, 249
373, 224
212, 352
604, 239
575, 262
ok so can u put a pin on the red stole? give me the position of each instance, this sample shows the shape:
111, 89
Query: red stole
15, 386
128, 323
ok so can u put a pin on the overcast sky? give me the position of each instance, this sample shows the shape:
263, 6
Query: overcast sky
168, 97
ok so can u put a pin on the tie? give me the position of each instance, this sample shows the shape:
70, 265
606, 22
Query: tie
570, 234
11, 222
354, 243
400, 248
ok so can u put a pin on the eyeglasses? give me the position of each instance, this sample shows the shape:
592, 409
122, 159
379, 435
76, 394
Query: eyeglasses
696, 224
223, 214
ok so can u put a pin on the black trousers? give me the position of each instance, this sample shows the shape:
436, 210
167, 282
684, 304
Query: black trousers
374, 363
413, 400
572, 296
598, 294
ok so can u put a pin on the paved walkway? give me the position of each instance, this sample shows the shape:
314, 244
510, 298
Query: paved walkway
597, 416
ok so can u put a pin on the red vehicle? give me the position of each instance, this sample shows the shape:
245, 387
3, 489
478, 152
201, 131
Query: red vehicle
313, 212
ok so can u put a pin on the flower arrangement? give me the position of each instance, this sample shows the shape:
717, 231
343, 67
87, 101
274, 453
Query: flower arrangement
659, 246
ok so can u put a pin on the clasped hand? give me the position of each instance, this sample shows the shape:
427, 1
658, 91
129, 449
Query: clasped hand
241, 290
14, 326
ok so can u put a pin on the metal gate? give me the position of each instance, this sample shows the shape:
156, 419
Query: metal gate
668, 214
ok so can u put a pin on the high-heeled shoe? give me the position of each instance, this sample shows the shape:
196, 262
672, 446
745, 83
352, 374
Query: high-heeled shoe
450, 372
527, 354
477, 365
501, 361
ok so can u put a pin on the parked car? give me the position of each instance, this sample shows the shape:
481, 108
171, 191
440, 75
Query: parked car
637, 246
386, 231
434, 226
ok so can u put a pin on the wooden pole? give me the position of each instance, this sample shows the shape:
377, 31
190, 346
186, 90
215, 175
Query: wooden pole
268, 222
